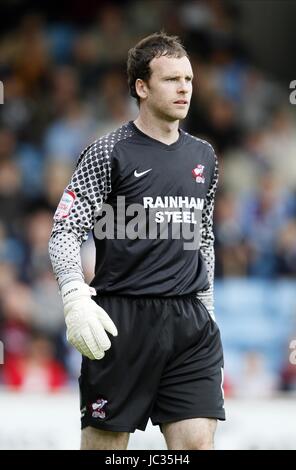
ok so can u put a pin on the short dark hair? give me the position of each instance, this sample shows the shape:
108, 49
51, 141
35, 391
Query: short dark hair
140, 56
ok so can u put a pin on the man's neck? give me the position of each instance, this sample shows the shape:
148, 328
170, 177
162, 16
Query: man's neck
166, 132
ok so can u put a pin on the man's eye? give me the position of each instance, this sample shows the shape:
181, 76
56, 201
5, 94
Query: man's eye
171, 79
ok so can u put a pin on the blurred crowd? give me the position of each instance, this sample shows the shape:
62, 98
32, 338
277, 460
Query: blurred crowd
64, 86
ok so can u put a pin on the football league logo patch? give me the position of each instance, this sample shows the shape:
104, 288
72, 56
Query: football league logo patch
197, 174
65, 205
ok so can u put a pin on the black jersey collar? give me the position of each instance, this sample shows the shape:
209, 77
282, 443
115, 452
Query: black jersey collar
156, 142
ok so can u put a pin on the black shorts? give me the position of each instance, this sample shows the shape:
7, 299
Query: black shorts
165, 364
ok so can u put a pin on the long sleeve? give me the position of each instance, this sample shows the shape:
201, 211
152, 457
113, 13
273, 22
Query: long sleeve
207, 242
77, 210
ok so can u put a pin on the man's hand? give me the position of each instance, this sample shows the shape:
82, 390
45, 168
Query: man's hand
86, 321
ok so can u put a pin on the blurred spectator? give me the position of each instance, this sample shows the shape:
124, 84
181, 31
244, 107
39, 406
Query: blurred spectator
26, 50
8, 275
244, 166
36, 231
219, 123
36, 370
280, 146
65, 89
232, 249
12, 255
98, 45
16, 313
66, 137
263, 214
56, 177
11, 202
286, 249
110, 103
255, 380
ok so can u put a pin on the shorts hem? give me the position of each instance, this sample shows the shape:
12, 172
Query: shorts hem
108, 427
210, 414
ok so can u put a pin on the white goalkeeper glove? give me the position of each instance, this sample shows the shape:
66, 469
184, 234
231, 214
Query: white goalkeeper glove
86, 321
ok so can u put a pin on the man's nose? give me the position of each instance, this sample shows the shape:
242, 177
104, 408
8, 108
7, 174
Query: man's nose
184, 86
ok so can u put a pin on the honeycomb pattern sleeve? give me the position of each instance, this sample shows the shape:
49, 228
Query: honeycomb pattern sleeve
207, 241
79, 206
75, 214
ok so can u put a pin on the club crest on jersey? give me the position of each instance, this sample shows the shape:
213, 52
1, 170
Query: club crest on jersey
65, 205
197, 174
97, 408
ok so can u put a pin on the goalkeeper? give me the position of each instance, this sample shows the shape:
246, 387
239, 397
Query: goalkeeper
145, 326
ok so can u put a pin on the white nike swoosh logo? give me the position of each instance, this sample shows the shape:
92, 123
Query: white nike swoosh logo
142, 173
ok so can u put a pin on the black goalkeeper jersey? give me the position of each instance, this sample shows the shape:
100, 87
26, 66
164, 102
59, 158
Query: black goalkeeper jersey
143, 200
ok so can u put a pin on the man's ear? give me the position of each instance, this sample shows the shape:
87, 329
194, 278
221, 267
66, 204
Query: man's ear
141, 88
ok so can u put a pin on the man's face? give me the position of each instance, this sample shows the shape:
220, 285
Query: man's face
169, 88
